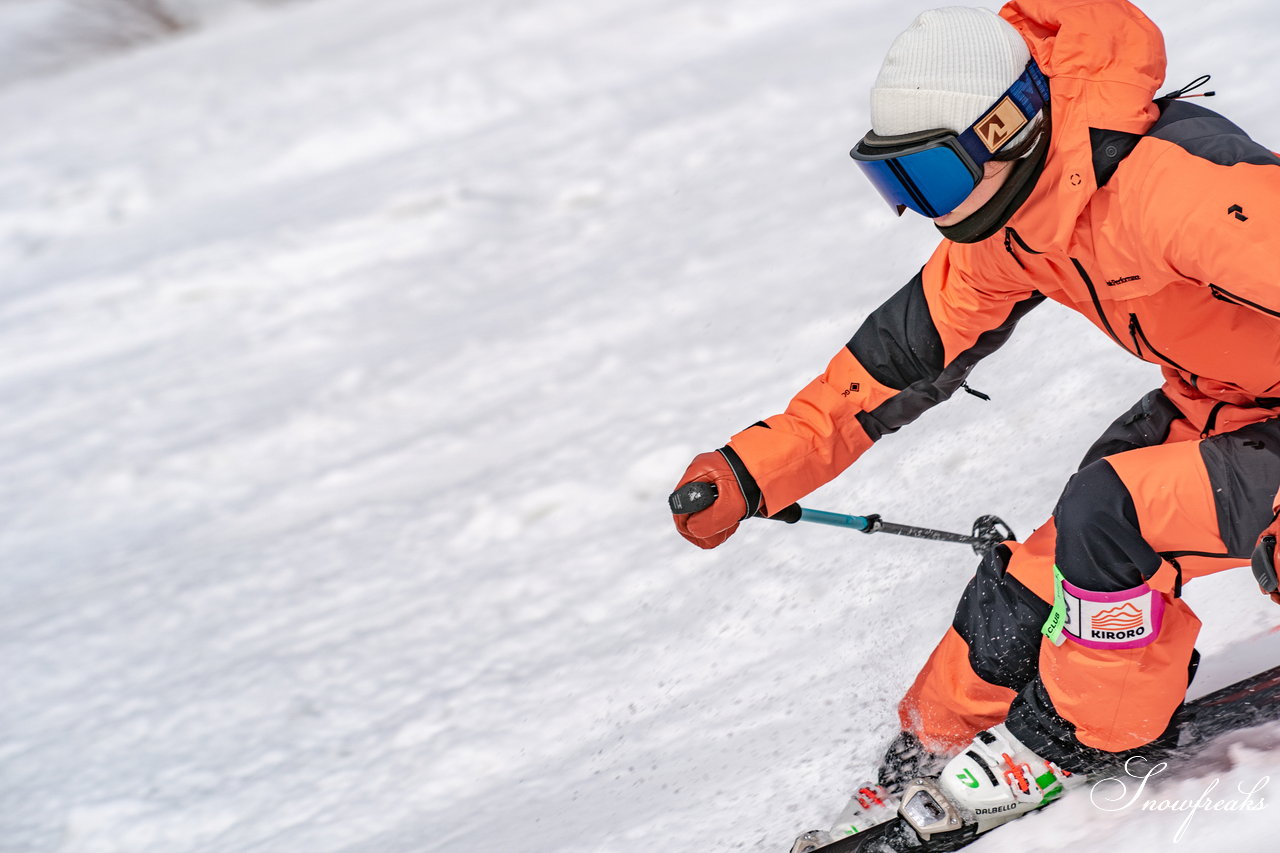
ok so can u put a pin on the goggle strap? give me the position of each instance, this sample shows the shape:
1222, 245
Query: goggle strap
1029, 93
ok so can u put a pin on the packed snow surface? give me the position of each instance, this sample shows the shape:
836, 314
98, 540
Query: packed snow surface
349, 351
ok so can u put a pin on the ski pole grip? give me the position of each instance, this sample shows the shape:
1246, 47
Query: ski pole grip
692, 497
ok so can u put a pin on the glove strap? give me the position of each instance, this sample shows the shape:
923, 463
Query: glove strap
746, 483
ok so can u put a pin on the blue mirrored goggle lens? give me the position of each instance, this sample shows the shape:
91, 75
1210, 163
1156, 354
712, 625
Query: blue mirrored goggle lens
931, 182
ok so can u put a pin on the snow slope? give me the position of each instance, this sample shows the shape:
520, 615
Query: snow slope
350, 351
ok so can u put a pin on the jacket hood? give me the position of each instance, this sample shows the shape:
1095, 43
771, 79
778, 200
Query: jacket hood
1105, 60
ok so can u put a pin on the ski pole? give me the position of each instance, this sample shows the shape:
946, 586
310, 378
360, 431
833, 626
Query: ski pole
988, 530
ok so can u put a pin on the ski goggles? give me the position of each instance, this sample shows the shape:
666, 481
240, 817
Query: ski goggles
932, 171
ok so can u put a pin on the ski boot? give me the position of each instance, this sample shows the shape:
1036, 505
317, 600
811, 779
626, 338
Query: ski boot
992, 782
876, 802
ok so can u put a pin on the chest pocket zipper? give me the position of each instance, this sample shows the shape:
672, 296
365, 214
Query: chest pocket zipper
1010, 237
1228, 296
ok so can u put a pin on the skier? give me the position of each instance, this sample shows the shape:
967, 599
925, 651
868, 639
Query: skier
1034, 141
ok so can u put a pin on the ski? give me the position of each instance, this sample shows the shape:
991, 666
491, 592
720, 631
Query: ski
1243, 705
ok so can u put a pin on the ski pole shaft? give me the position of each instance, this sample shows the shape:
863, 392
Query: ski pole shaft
795, 512
988, 530
871, 524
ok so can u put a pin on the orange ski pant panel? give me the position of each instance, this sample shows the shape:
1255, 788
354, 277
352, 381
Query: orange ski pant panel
949, 702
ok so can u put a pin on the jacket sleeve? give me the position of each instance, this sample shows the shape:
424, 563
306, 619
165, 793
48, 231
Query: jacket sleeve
912, 353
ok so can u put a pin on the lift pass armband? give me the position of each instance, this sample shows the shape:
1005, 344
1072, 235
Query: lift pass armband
1127, 619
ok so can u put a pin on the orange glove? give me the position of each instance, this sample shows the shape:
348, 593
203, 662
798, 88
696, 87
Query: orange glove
1264, 560
738, 497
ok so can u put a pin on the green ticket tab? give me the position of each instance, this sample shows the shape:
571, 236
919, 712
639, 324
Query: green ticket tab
1053, 626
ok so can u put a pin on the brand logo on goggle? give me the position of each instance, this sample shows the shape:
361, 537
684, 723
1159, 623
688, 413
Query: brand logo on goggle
1000, 125
1126, 617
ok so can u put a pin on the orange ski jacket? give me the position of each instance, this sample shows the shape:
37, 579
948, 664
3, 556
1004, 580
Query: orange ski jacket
1157, 220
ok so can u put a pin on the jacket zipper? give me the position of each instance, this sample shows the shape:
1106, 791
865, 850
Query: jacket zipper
1227, 296
1135, 328
1140, 339
1173, 555
1213, 419
1097, 304
1016, 236
1010, 236
1008, 247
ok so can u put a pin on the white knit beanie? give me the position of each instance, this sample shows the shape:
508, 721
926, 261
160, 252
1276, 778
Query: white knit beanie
945, 70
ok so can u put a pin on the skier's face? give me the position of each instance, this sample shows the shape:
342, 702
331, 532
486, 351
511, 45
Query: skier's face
994, 174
